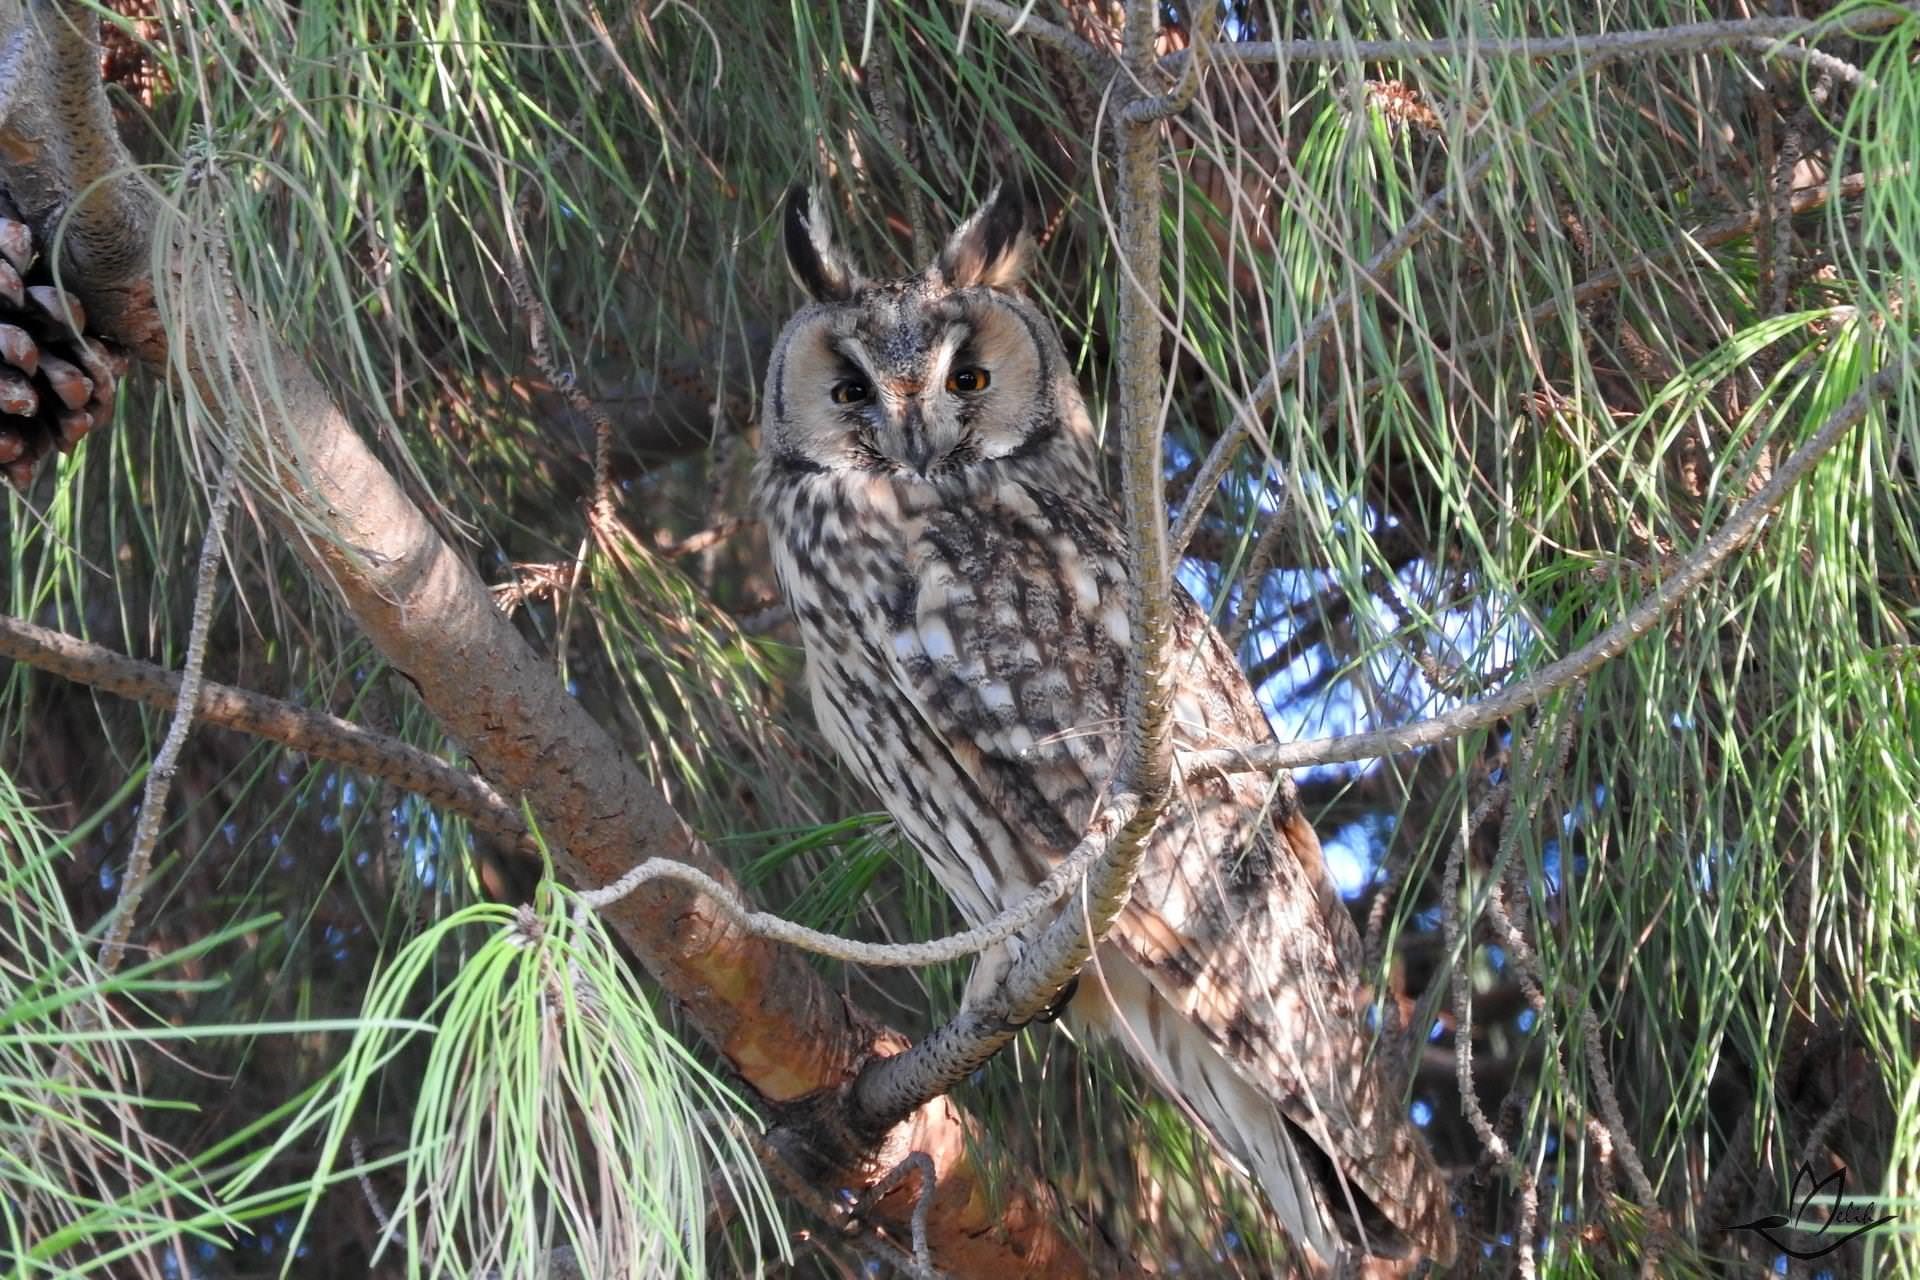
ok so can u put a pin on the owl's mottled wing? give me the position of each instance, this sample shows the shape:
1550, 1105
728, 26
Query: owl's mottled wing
1011, 641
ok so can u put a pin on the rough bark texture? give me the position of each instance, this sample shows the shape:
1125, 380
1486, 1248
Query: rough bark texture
425, 608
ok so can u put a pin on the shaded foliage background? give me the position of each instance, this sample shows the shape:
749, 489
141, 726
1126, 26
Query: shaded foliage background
1705, 852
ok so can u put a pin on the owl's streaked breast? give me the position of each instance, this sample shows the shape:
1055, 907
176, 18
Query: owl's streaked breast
884, 572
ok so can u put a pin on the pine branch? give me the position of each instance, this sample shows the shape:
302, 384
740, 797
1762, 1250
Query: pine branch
1062, 880
159, 782
1022, 22
1685, 37
1373, 275
311, 733
1609, 644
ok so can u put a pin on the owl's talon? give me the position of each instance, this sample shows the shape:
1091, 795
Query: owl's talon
1052, 1013
1058, 1005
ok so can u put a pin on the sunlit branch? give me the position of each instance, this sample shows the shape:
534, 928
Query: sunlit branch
1062, 880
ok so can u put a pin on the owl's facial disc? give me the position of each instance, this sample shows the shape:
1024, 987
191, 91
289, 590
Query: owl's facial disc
894, 381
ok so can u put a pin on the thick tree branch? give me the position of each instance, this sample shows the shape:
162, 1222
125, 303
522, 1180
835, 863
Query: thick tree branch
59, 145
1609, 644
778, 1025
328, 737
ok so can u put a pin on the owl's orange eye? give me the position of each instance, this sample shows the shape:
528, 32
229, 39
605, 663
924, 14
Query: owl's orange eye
969, 379
851, 391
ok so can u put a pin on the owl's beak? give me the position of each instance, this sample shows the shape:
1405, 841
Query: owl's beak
916, 448
919, 449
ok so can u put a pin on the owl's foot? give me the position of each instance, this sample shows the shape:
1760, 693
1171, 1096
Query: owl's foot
1060, 1002
991, 969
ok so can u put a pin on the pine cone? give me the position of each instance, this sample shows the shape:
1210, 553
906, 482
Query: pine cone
56, 379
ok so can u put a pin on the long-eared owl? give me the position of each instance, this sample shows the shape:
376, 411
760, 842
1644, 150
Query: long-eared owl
929, 481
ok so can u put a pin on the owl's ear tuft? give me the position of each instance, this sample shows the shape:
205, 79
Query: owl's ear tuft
992, 247
821, 269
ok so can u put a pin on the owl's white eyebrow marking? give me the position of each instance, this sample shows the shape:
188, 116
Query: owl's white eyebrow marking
957, 335
850, 349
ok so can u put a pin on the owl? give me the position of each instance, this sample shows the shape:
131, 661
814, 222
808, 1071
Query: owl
929, 482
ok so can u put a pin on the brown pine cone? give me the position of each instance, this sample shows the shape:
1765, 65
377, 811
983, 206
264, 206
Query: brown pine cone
57, 380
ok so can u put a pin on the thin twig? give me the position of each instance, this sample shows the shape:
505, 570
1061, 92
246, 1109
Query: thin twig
1146, 759
1609, 644
1021, 22
1522, 957
1616, 1120
153, 800
1455, 927
1062, 880
1253, 575
382, 1215
889, 113
780, 1164
914, 1163
533, 313
1793, 147
1838, 68
1143, 111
